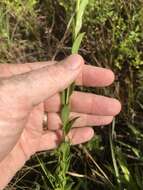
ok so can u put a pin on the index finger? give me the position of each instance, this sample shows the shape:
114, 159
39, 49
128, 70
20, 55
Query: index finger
92, 76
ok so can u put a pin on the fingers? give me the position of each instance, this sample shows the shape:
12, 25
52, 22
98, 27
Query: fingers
95, 76
81, 135
95, 104
86, 103
8, 70
77, 136
38, 85
89, 76
90, 120
54, 121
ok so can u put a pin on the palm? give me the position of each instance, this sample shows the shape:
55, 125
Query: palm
32, 133
29, 140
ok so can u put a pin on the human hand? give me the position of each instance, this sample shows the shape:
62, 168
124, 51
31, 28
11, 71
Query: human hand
27, 91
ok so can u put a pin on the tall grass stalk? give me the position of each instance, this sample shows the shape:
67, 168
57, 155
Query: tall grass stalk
63, 152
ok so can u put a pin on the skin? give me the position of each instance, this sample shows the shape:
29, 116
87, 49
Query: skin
29, 90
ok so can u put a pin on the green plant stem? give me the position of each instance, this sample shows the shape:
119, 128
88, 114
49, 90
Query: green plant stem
63, 152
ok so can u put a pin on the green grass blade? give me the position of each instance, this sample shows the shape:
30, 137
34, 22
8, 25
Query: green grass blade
65, 114
77, 43
47, 173
81, 10
78, 5
113, 154
123, 166
70, 124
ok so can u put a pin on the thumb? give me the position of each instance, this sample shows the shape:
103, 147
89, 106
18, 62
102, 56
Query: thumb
38, 85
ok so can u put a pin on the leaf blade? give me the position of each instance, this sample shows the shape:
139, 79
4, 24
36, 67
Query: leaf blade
77, 43
65, 114
80, 13
70, 124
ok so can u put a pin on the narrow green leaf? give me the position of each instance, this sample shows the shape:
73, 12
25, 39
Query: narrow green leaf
77, 43
70, 124
67, 95
81, 10
78, 5
122, 162
65, 114
63, 97
115, 165
135, 150
47, 173
67, 128
124, 168
72, 87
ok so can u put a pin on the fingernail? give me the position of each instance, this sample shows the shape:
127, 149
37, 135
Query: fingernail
73, 62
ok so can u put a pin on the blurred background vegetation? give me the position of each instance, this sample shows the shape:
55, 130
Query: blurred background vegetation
36, 30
